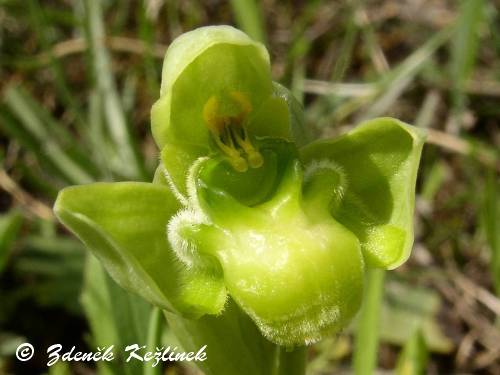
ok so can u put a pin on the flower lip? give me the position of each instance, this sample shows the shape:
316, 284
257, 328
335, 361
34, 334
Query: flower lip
230, 133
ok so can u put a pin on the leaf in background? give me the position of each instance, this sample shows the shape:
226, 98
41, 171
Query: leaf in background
249, 18
464, 47
434, 180
117, 126
10, 223
9, 343
56, 264
60, 368
130, 315
43, 31
45, 137
407, 308
392, 84
329, 352
100, 309
379, 159
413, 358
147, 34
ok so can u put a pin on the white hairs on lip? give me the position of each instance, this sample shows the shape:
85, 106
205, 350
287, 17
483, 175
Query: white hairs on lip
308, 323
193, 201
190, 216
317, 165
173, 187
185, 250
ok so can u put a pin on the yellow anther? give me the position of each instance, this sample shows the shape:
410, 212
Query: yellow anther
211, 115
234, 156
254, 157
239, 164
228, 129
243, 102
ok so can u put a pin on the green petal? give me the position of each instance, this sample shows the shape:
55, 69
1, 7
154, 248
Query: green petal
379, 159
124, 225
175, 162
299, 132
271, 119
208, 61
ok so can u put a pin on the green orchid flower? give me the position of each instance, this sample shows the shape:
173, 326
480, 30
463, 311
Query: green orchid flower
245, 219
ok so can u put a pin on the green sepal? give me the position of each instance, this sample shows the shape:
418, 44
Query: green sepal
379, 160
209, 61
124, 225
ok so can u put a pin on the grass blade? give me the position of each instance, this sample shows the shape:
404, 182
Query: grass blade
413, 359
10, 223
41, 27
146, 32
249, 18
367, 330
45, 138
347, 47
396, 81
115, 316
131, 164
464, 48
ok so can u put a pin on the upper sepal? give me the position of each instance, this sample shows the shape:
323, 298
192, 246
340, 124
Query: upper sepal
379, 160
213, 61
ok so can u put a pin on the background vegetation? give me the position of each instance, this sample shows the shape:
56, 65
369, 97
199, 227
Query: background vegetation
77, 80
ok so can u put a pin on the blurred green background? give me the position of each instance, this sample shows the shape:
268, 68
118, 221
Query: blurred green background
78, 78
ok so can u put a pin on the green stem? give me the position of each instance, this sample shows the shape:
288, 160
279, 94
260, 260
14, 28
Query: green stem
156, 325
367, 332
291, 361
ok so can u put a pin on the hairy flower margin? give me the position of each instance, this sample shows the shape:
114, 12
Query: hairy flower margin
244, 213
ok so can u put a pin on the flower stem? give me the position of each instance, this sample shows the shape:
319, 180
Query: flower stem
366, 343
156, 325
291, 361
